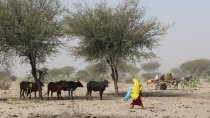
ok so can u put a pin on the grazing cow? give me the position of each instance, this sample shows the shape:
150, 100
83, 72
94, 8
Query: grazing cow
72, 86
96, 86
28, 87
56, 87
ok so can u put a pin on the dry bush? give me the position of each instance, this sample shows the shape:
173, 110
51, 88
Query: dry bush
5, 84
77, 110
192, 83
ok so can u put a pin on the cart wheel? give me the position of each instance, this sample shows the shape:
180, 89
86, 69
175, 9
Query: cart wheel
163, 86
157, 87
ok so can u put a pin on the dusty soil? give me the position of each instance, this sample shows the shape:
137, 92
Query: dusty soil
158, 103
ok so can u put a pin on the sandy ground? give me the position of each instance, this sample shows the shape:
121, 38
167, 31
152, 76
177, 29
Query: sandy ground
158, 104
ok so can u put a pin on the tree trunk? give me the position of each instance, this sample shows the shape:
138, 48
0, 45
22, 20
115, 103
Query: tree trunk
34, 74
114, 75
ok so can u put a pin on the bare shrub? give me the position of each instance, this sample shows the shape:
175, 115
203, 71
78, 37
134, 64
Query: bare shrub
13, 78
77, 110
5, 84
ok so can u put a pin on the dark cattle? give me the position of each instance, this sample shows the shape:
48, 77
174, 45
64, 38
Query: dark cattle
28, 87
56, 87
96, 86
72, 86
187, 78
177, 81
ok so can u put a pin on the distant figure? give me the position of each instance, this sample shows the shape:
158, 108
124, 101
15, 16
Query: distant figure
156, 77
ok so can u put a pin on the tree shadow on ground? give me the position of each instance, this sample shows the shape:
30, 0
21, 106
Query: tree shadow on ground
105, 97
158, 93
164, 94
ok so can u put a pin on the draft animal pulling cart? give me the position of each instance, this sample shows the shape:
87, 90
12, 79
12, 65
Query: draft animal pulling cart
165, 81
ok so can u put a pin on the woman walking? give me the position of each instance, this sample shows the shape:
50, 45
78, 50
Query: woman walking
136, 94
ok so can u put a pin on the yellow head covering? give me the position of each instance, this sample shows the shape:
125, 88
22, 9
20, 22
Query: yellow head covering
149, 81
135, 89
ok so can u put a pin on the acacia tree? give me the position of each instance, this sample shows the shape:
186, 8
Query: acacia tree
30, 30
68, 70
5, 60
177, 72
127, 71
96, 72
4, 54
197, 66
151, 66
113, 33
82, 75
150, 69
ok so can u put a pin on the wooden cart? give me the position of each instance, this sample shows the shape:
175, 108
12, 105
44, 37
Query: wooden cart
164, 82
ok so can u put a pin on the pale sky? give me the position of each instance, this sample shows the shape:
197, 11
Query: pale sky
187, 39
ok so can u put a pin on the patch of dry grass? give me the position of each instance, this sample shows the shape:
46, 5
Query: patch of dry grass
5, 84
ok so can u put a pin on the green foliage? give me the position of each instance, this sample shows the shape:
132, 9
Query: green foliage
113, 33
192, 83
208, 79
177, 72
82, 75
31, 27
198, 66
68, 70
95, 72
149, 75
5, 59
150, 69
151, 66
127, 71
54, 72
30, 30
57, 74
120, 32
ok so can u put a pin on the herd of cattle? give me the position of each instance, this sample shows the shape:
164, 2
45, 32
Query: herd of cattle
29, 87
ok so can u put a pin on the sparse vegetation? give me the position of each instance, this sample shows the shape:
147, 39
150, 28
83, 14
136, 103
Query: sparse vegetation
13, 78
77, 110
207, 79
194, 82
198, 66
151, 69
5, 84
5, 79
